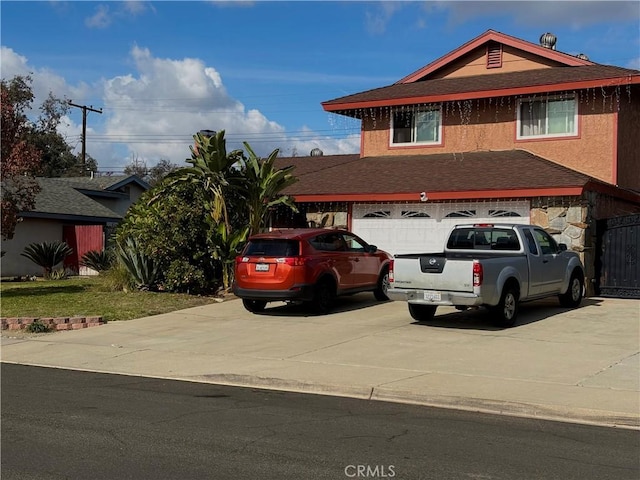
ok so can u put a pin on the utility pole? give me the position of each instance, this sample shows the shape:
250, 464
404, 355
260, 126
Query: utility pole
85, 109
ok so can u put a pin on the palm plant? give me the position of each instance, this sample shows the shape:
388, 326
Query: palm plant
47, 254
98, 260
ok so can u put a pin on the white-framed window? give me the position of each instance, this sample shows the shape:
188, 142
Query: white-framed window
421, 126
551, 117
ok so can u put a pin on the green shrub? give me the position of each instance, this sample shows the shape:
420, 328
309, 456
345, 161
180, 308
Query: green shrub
59, 274
118, 279
37, 327
183, 277
98, 260
47, 254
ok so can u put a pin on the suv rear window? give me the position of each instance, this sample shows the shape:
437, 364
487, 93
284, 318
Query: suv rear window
272, 248
483, 239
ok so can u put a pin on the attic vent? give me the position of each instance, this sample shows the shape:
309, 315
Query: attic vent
548, 40
316, 152
582, 56
494, 55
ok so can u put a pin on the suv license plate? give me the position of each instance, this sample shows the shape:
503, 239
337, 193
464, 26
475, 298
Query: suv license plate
262, 267
432, 296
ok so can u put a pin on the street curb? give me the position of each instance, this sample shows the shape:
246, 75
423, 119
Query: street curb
523, 410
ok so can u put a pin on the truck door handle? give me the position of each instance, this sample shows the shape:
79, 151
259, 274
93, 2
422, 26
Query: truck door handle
545, 261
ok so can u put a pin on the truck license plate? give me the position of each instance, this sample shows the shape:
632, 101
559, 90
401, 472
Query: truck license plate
432, 296
262, 267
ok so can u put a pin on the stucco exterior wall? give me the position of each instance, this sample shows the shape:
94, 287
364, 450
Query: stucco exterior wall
30, 230
475, 63
491, 125
628, 145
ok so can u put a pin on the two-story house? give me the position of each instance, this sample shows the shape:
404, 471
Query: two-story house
498, 130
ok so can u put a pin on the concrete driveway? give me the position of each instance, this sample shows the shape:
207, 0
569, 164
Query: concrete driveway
578, 365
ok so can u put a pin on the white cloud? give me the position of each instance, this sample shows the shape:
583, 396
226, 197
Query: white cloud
153, 112
104, 16
101, 19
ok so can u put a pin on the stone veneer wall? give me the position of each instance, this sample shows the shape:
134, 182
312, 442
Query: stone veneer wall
569, 220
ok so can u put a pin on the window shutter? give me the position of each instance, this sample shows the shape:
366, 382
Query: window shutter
494, 55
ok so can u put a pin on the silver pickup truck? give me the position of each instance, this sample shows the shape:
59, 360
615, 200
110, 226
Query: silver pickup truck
493, 266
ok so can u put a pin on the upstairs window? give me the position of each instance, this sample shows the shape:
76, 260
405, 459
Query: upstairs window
421, 127
553, 117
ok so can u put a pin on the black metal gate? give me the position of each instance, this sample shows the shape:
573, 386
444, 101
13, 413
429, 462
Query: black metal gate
618, 268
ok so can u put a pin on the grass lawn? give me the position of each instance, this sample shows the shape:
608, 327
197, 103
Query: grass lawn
88, 296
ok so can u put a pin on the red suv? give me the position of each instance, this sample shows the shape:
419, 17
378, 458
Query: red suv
312, 265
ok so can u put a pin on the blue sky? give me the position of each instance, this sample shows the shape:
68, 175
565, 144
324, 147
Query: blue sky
161, 71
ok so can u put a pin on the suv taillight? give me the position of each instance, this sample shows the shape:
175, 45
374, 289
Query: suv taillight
391, 264
477, 273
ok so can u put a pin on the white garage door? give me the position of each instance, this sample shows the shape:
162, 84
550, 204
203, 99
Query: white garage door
421, 228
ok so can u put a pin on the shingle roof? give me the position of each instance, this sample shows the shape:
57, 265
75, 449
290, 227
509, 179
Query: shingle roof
61, 197
472, 85
462, 172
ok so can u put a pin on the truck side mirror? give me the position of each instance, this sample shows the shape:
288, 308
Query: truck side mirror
562, 247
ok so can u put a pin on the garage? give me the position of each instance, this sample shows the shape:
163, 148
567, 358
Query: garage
424, 227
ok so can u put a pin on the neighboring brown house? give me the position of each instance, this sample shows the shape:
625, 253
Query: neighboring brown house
498, 130
78, 210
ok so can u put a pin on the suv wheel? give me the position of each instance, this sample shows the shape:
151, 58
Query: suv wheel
254, 306
323, 297
383, 286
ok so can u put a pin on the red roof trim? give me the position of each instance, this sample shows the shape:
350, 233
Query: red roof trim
528, 90
492, 35
466, 195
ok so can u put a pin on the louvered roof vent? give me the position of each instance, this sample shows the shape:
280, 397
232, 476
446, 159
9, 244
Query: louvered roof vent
494, 55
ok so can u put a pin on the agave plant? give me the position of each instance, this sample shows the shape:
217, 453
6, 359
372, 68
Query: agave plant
47, 254
142, 268
98, 260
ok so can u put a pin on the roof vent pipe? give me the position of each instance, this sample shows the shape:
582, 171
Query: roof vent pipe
548, 40
316, 152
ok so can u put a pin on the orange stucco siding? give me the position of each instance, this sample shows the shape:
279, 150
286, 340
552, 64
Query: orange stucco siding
492, 126
628, 146
475, 63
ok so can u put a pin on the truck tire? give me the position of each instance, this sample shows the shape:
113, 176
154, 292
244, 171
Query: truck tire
505, 313
422, 313
573, 296
324, 296
254, 306
383, 286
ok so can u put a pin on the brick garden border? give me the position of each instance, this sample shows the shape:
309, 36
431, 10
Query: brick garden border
54, 323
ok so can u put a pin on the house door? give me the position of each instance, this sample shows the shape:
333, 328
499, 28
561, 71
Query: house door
81, 238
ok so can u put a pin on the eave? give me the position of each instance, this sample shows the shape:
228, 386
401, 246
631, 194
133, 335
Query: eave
442, 196
481, 94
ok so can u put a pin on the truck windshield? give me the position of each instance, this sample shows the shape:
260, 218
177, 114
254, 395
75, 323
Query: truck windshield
470, 238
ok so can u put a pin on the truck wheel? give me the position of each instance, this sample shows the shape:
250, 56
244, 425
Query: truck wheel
254, 306
573, 296
383, 286
323, 297
506, 311
422, 313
